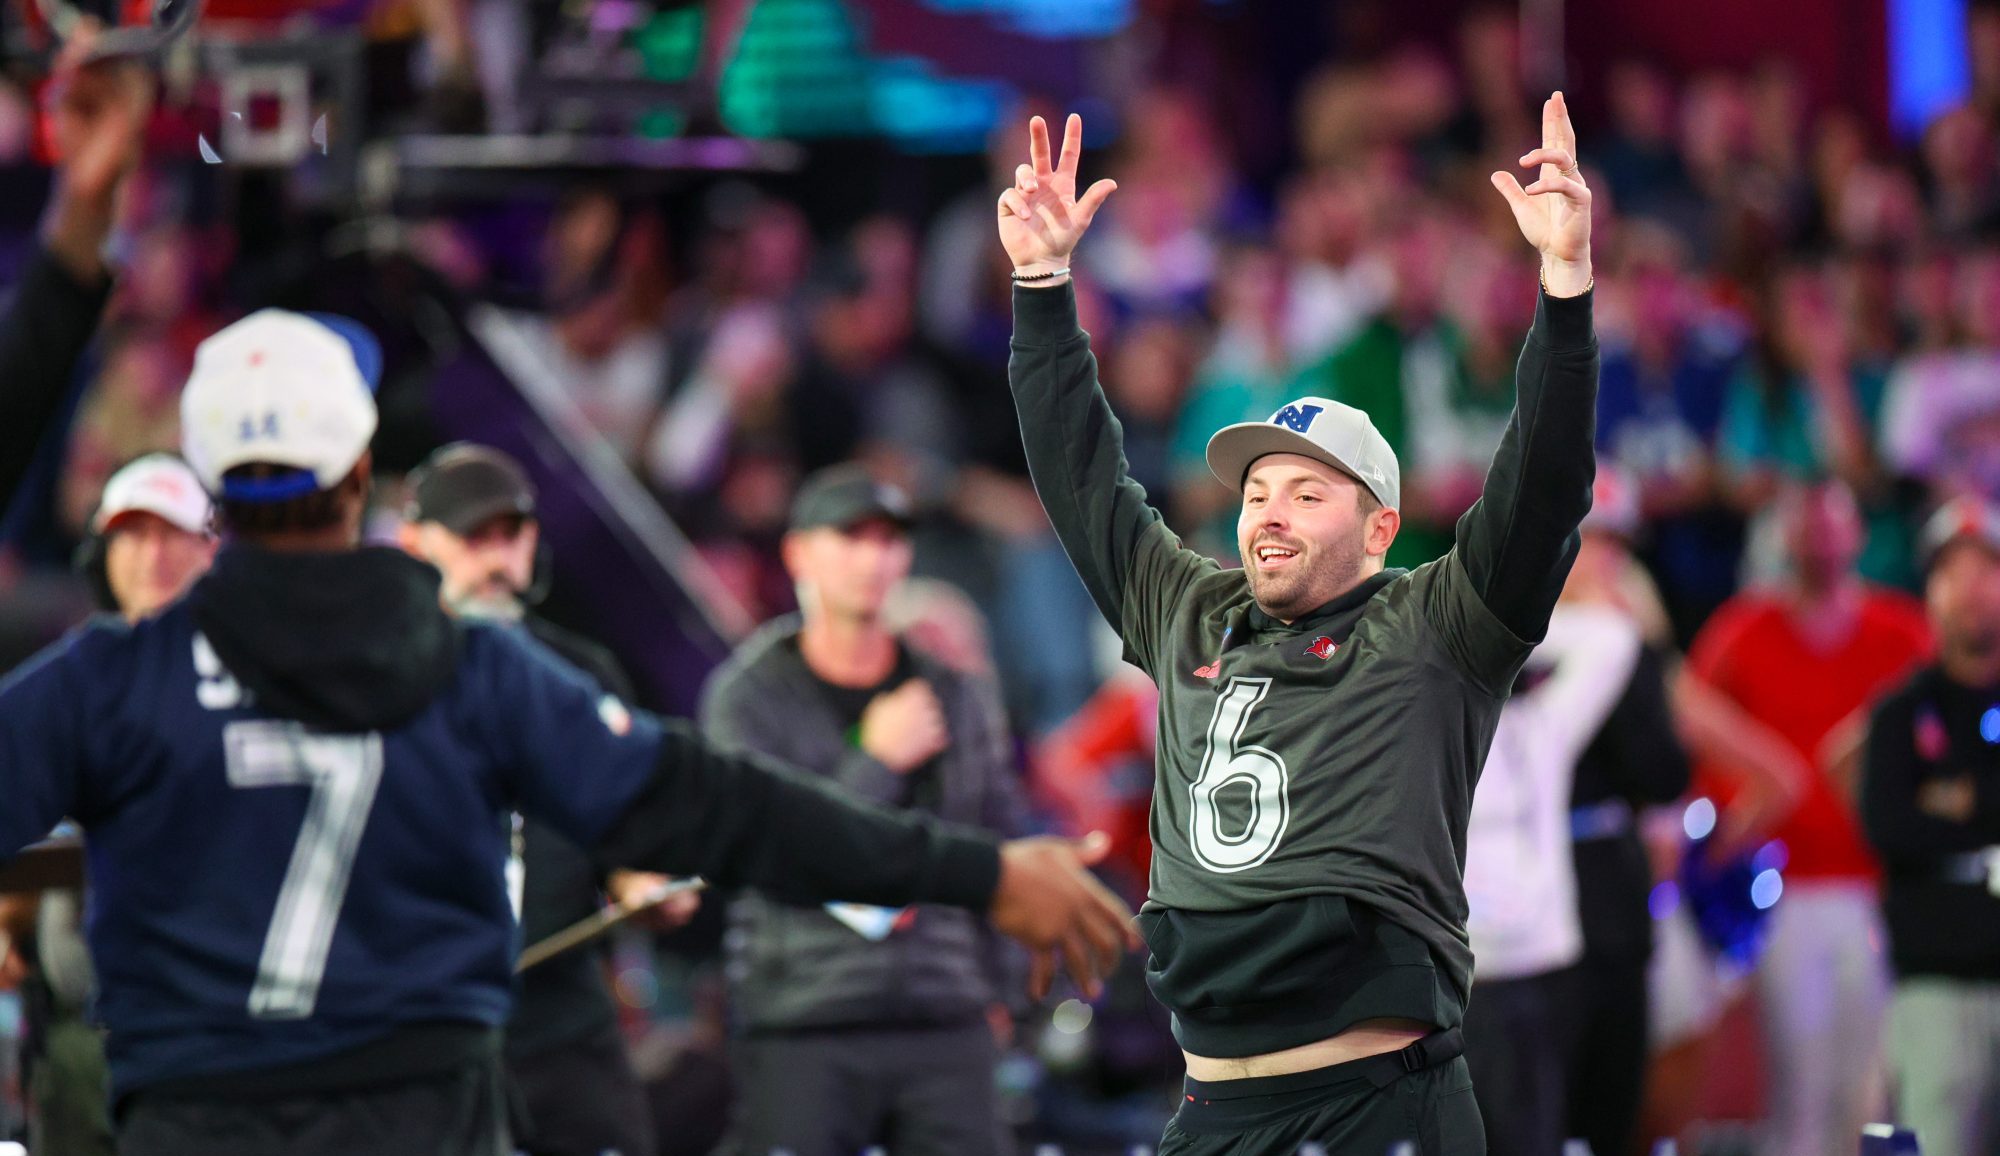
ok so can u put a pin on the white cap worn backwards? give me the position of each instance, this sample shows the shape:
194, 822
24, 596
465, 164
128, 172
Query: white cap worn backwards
293, 390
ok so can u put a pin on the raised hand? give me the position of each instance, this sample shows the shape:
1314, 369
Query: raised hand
1041, 217
1554, 212
1048, 899
905, 728
98, 113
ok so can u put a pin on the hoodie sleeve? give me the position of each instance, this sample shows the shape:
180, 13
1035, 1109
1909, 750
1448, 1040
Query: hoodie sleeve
1134, 566
42, 744
650, 794
1500, 582
42, 338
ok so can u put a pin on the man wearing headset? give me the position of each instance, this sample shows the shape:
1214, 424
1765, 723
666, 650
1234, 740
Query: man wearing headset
150, 537
471, 514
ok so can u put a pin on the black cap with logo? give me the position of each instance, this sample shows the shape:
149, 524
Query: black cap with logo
463, 486
844, 496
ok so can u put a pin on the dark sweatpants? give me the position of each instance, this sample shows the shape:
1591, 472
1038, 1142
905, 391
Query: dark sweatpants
914, 1091
1607, 1068
1517, 1042
461, 1114
582, 1098
1417, 1102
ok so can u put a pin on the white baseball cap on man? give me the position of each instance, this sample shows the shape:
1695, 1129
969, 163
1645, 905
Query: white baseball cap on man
285, 389
157, 484
1319, 428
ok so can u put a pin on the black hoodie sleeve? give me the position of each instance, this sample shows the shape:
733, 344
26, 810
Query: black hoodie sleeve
647, 793
1516, 543
1134, 566
738, 820
42, 338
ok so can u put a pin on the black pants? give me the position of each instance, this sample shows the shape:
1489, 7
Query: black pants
1607, 1069
582, 1098
1517, 1042
915, 1092
461, 1114
1417, 1102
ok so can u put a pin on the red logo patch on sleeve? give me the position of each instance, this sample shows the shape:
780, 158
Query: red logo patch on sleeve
1933, 743
1322, 648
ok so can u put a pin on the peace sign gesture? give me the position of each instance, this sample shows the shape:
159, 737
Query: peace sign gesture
1554, 212
1041, 217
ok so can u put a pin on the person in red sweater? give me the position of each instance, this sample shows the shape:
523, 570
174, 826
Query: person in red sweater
1806, 659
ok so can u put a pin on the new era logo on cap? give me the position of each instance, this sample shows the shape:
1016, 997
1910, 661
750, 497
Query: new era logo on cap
292, 390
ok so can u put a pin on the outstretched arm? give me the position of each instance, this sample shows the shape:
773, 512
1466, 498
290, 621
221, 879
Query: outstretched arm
649, 794
1516, 544
99, 113
1134, 567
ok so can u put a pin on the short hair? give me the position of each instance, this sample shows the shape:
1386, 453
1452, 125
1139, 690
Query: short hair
313, 511
1366, 499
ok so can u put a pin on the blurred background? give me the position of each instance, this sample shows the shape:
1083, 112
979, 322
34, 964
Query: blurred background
676, 256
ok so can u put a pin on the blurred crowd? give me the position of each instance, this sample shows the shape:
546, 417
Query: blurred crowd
1800, 330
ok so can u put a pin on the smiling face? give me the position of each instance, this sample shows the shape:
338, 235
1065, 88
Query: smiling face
1308, 533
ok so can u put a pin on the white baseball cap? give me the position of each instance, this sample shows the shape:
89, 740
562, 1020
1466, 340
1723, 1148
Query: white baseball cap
158, 484
1319, 428
285, 389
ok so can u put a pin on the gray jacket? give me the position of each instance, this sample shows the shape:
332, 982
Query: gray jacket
794, 968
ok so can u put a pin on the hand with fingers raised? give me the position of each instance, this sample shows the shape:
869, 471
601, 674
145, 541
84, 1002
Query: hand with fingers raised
1041, 217
1554, 212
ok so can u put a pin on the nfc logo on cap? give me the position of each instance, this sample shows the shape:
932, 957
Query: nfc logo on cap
1298, 418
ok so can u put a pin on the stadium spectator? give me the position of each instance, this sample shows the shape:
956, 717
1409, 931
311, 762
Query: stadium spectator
1931, 801
472, 515
1520, 879
1411, 337
1242, 376
1633, 761
864, 1025
1666, 372
1804, 659
1941, 415
605, 293
1804, 406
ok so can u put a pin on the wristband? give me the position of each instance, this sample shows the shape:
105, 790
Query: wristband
1589, 284
1031, 278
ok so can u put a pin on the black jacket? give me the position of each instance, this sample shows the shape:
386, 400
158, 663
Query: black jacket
1938, 899
797, 967
1636, 759
42, 338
